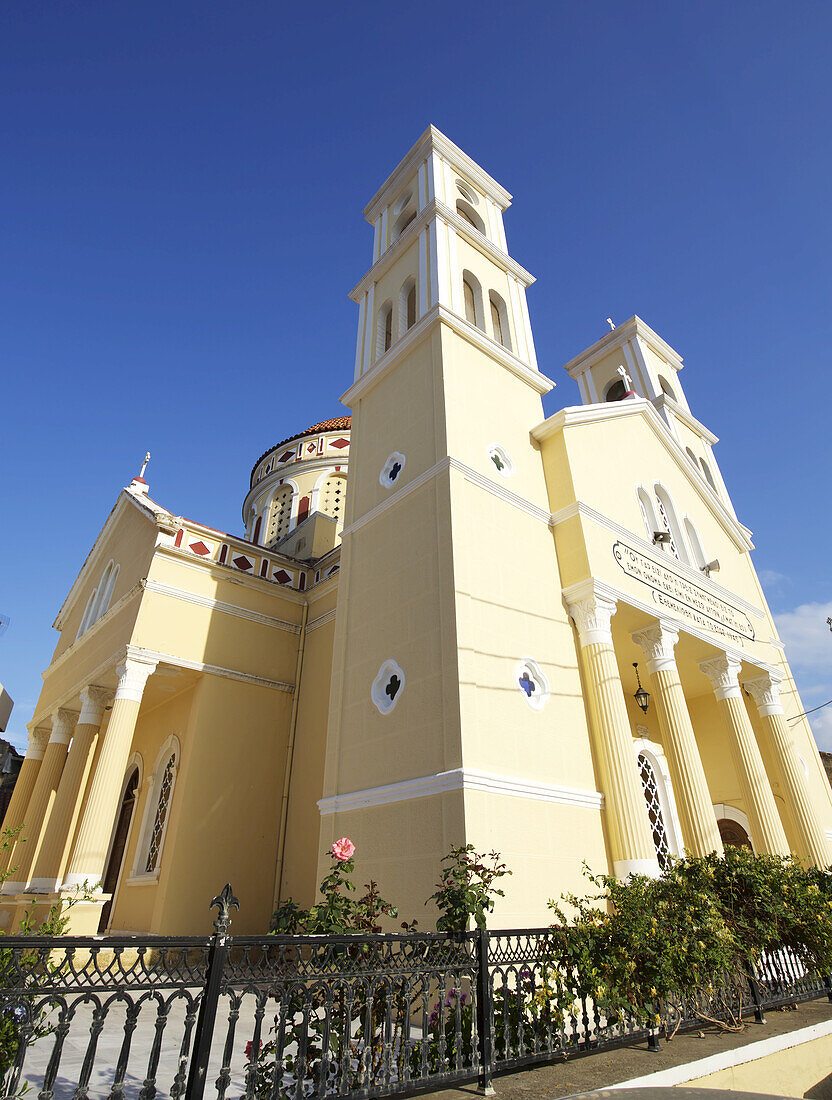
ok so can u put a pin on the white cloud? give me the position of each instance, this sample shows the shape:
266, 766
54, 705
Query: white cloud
821, 724
770, 578
806, 636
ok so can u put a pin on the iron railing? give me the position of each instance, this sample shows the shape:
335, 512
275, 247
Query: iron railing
308, 1017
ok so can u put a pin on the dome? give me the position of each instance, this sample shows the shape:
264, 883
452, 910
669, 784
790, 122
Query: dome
336, 424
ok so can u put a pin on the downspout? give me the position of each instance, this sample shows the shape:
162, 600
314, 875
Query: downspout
290, 753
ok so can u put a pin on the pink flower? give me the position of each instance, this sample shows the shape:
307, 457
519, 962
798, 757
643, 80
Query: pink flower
249, 1045
343, 849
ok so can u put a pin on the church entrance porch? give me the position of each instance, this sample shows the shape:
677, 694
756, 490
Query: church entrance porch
701, 756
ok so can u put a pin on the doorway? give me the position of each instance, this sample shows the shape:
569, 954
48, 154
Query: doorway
113, 870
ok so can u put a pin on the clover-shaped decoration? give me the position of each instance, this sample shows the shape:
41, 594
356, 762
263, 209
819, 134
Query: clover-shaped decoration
391, 470
502, 463
388, 685
530, 679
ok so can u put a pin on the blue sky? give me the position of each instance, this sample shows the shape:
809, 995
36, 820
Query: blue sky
181, 200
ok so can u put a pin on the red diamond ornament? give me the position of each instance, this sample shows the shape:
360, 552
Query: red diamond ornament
199, 548
281, 576
286, 456
242, 563
339, 443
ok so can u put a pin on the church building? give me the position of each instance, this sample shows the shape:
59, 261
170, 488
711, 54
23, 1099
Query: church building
448, 620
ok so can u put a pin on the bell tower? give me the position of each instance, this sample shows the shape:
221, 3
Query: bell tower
452, 643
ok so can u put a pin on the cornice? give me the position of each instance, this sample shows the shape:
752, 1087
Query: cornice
151, 655
664, 401
97, 626
259, 584
460, 779
633, 328
419, 332
579, 508
593, 588
438, 209
434, 140
219, 605
575, 415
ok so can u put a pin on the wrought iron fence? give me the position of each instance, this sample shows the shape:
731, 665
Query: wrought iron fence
303, 1017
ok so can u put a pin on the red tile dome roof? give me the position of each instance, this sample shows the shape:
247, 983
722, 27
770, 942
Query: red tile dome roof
337, 424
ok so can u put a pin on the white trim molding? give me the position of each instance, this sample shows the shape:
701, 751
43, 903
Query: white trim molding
460, 779
219, 605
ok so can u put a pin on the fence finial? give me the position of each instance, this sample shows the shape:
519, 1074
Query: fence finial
224, 902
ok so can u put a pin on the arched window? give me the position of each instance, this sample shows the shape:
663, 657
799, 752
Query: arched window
670, 522
466, 211
499, 319
404, 211
666, 387
655, 810
709, 477
692, 457
407, 306
384, 329
280, 515
472, 295
157, 809
255, 535
333, 496
100, 598
695, 544
648, 513
616, 391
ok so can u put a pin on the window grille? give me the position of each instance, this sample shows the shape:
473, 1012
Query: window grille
654, 810
165, 792
279, 516
333, 493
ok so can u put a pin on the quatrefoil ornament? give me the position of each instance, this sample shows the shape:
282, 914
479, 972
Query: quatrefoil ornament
391, 470
530, 680
388, 686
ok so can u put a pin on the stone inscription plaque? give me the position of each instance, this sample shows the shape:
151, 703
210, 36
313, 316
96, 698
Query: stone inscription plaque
682, 597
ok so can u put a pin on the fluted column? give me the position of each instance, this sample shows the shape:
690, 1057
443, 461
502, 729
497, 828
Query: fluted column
22, 793
43, 797
765, 691
767, 833
700, 832
50, 862
631, 839
86, 865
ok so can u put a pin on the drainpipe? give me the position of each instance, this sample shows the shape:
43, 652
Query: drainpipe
287, 775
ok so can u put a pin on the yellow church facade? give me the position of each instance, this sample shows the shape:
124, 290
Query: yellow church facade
434, 630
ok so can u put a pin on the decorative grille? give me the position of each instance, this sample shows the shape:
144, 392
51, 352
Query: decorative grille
654, 810
279, 517
165, 792
332, 497
670, 546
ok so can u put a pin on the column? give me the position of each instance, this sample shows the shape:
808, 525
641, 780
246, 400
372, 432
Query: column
19, 804
700, 832
765, 691
57, 838
86, 865
767, 834
43, 795
631, 839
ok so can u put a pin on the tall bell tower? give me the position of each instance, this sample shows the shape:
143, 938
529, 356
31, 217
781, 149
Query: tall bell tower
456, 711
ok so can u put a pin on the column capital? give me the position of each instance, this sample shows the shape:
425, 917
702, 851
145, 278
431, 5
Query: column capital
765, 691
723, 672
94, 699
37, 743
658, 643
133, 674
63, 723
592, 614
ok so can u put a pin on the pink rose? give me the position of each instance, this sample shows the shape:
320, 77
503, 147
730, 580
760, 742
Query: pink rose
343, 849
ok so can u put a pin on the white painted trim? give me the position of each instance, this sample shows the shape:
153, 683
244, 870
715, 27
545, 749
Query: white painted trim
209, 670
219, 605
728, 1059
106, 618
321, 620
172, 746
449, 463
235, 576
439, 312
656, 755
578, 507
732, 813
623, 868
631, 329
459, 779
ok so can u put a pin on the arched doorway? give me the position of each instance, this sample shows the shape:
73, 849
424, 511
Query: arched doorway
111, 875
733, 833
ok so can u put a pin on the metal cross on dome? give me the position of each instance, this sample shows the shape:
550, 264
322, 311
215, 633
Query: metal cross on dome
144, 464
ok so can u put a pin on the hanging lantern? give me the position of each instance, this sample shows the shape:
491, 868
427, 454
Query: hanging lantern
642, 697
